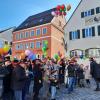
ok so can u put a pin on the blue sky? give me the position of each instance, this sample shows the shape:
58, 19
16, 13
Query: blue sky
14, 12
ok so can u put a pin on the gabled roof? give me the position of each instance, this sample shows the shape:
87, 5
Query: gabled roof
73, 13
35, 20
7, 29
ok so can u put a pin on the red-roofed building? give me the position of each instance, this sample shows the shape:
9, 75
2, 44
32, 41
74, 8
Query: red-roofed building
35, 30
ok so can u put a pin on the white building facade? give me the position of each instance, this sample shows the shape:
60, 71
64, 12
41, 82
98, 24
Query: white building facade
6, 35
82, 31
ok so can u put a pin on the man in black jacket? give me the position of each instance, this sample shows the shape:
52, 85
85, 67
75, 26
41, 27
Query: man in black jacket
7, 91
18, 79
95, 72
38, 82
80, 75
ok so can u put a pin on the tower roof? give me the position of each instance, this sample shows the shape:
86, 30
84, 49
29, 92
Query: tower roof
35, 20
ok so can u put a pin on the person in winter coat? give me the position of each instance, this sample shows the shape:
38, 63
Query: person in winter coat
38, 82
18, 79
87, 75
62, 71
46, 81
7, 90
80, 75
29, 74
95, 72
54, 71
71, 76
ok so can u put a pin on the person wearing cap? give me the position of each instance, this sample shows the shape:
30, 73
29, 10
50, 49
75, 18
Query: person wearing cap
18, 79
7, 90
71, 76
29, 74
95, 72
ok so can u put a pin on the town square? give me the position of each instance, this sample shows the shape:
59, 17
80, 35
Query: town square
50, 50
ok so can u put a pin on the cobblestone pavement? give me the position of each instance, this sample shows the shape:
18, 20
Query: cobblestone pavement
78, 94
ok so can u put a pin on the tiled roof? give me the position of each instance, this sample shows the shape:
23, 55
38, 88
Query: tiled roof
7, 29
35, 20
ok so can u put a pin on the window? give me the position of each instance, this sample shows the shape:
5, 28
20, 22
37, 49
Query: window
21, 35
17, 46
92, 11
99, 30
43, 43
38, 32
74, 35
32, 44
82, 14
32, 33
20, 46
76, 53
27, 34
87, 13
88, 32
38, 44
26, 45
44, 30
17, 36
93, 52
97, 10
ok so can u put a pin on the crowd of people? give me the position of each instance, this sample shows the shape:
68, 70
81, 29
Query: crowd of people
46, 75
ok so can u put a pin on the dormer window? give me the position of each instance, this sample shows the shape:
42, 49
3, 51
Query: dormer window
41, 20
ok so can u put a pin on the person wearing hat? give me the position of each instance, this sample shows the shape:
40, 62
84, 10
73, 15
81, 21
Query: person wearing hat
29, 74
7, 90
95, 72
18, 79
71, 76
38, 82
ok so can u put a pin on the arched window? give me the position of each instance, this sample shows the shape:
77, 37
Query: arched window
92, 52
76, 53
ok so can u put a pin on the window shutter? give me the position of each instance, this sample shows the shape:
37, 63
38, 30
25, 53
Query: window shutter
92, 11
78, 32
97, 10
82, 14
99, 30
83, 33
70, 35
93, 31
